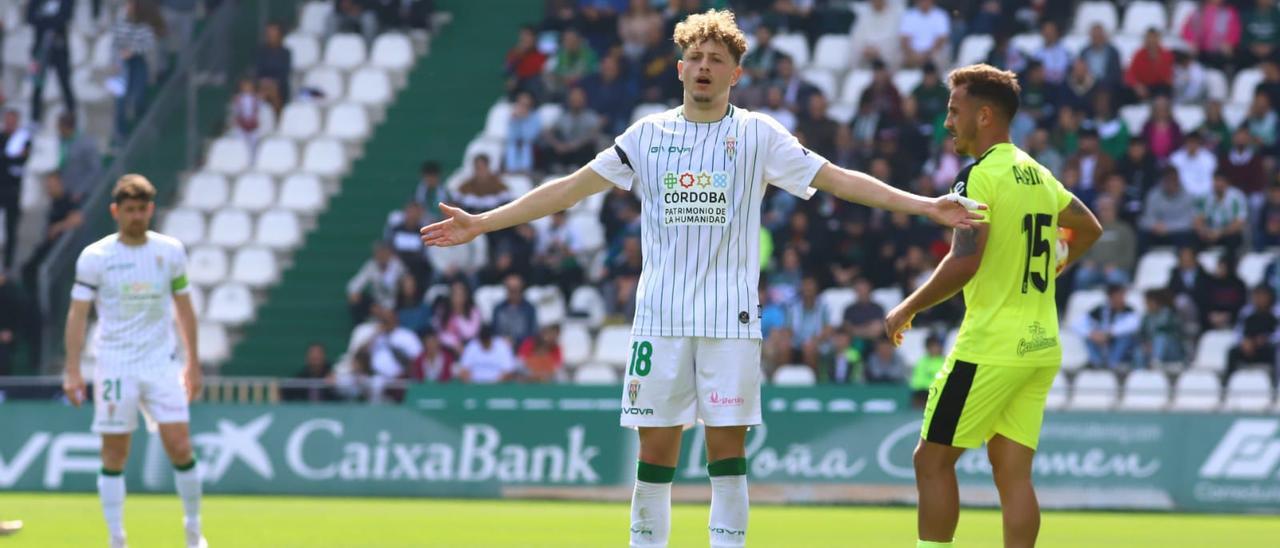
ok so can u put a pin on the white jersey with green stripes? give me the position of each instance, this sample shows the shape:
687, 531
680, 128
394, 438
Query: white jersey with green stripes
700, 187
132, 288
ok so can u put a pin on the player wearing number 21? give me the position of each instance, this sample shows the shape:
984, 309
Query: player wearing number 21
993, 385
700, 172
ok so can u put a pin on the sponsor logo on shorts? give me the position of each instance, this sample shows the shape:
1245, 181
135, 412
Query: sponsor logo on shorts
1037, 340
111, 410
637, 411
633, 391
725, 401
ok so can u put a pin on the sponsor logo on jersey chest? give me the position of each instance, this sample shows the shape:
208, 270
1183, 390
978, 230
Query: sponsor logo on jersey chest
695, 198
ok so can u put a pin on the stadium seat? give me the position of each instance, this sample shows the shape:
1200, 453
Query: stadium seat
1188, 116
1248, 391
575, 344
588, 233
345, 51
101, 59
1028, 43
205, 191
187, 225
207, 265
1094, 390
795, 375
214, 347
300, 120
327, 80
276, 156
1075, 43
1059, 393
831, 53
1075, 355
913, 345
854, 84
834, 301
590, 205
1234, 114
1244, 85
1145, 391
231, 304
44, 152
794, 46
596, 374
314, 17
392, 51
279, 229
230, 228
586, 300
1126, 46
548, 114
254, 266
1090, 13
304, 50
1135, 117
302, 192
613, 345
887, 297
347, 122
1182, 11
455, 258
822, 79
370, 86
1196, 391
487, 298
324, 157
906, 80
197, 296
496, 121
1253, 266
1142, 15
254, 192
1217, 84
645, 109
1081, 303
228, 156
17, 45
1154, 269
88, 90
974, 49
1212, 349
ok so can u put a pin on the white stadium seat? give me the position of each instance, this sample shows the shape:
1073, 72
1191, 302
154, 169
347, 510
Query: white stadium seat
1080, 304
613, 345
596, 374
575, 343
1094, 391
913, 345
230, 228
832, 53
196, 294
17, 45
1212, 349
887, 297
324, 157
1075, 355
641, 110
588, 233
205, 191
207, 265
300, 120
88, 89
254, 266
276, 156
345, 51
1075, 43
821, 79
586, 300
302, 192
304, 50
835, 300
1154, 269
214, 346
454, 258
1142, 15
279, 229
1135, 117
795, 375
231, 304
348, 122
1058, 393
392, 51
1127, 46
1244, 85
1090, 13
487, 298
548, 114
1145, 391
1253, 266
370, 86
187, 225
496, 121
1196, 391
1189, 116
1181, 12
1216, 82
855, 83
1028, 42
326, 79
974, 49
228, 155
907, 80
102, 58
794, 46
254, 192
314, 17
1249, 391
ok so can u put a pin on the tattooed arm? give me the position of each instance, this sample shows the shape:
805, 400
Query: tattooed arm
956, 269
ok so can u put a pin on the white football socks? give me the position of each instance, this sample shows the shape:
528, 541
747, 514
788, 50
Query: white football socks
651, 506
729, 503
111, 495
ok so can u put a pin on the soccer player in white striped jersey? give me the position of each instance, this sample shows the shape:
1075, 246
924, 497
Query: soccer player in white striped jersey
130, 278
700, 171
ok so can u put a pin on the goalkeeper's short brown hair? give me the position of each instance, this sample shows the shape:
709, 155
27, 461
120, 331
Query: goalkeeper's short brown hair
984, 82
715, 25
133, 187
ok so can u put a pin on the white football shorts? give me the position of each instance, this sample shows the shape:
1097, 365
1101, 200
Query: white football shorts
118, 396
674, 381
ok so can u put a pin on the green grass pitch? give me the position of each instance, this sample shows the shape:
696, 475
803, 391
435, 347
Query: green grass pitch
277, 522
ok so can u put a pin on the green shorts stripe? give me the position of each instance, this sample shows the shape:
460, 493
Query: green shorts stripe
946, 416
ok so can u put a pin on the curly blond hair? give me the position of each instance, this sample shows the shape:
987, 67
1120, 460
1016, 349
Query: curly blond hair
715, 25
987, 83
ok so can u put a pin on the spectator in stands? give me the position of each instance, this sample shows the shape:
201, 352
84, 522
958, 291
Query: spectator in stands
882, 95
398, 14
1223, 296
1258, 329
926, 35
405, 240
656, 65
620, 215
1053, 55
776, 109
611, 94
1065, 134
275, 62
773, 315
1079, 87
1161, 132
778, 349
1113, 133
133, 40
246, 108
884, 365
1263, 123
515, 318
555, 254
1004, 56
574, 61
946, 164
931, 95
78, 157
430, 193
1094, 165
1190, 83
636, 23
572, 140
63, 217
1260, 39
459, 321
352, 16
623, 275
815, 129
1138, 167
50, 48
926, 368
316, 368
270, 94
1110, 331
1039, 148
875, 35
411, 311
1111, 258
1168, 214
1223, 216
1102, 58
1126, 197
1151, 70
12, 316
1213, 30
16, 141
433, 364
541, 355
1269, 223
484, 189
391, 350
375, 282
839, 360
524, 63
865, 317
795, 91
179, 20
356, 381
523, 130
758, 64
807, 318
1196, 165
1038, 96
1215, 130
1162, 333
488, 359
1188, 278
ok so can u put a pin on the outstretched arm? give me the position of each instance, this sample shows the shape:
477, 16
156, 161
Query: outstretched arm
854, 186
461, 227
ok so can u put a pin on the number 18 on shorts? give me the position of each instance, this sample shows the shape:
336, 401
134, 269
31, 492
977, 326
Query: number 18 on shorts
675, 381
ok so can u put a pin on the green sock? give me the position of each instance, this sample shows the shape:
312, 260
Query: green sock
933, 544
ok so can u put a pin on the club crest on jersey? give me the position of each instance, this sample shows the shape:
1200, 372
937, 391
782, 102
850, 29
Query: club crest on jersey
633, 391
730, 147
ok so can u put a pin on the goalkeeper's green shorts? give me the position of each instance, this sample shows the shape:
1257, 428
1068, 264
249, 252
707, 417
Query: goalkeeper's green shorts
970, 403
